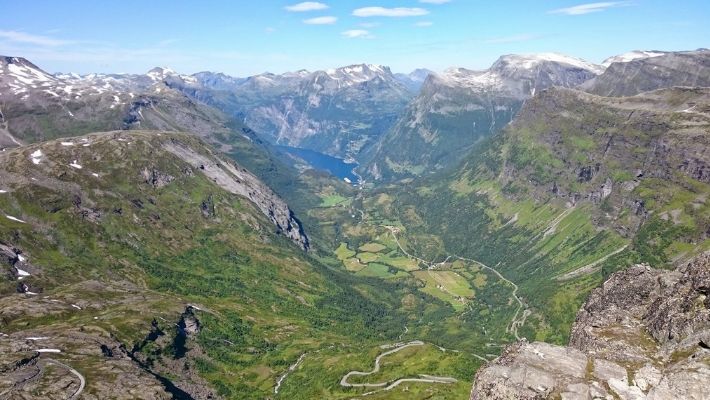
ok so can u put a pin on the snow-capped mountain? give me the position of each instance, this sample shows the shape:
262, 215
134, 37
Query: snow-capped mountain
337, 111
36, 105
646, 71
521, 75
457, 108
631, 56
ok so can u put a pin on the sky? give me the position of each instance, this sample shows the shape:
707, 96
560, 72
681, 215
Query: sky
247, 37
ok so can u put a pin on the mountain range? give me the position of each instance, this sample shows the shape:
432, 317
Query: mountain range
542, 224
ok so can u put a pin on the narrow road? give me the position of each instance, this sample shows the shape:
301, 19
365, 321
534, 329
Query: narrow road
391, 385
82, 381
423, 379
376, 369
589, 268
516, 321
288, 371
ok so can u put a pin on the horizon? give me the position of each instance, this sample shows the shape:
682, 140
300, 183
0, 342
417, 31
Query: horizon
248, 39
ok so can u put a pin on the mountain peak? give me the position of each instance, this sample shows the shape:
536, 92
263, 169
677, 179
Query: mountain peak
21, 73
159, 73
529, 61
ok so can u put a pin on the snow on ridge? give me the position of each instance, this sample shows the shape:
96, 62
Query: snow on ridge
29, 75
532, 60
631, 56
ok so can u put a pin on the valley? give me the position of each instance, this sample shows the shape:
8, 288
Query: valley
204, 236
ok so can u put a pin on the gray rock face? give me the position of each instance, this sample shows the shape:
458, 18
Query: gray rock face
642, 335
239, 181
644, 74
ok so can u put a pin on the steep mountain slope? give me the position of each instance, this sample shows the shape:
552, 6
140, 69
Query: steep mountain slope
643, 335
658, 71
576, 186
460, 107
338, 111
31, 111
143, 265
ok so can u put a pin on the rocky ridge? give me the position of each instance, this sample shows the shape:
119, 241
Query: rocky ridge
644, 334
634, 74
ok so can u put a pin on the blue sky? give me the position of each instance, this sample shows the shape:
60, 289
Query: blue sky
245, 37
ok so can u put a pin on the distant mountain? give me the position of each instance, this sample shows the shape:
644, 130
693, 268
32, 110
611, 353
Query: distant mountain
338, 111
644, 71
631, 56
459, 107
415, 79
37, 106
217, 80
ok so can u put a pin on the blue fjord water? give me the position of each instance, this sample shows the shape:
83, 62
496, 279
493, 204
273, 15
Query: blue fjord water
335, 166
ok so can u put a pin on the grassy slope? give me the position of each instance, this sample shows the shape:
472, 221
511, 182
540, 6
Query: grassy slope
504, 194
267, 301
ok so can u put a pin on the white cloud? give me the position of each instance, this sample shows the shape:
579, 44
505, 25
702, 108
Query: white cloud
357, 34
424, 24
389, 12
434, 1
588, 8
329, 20
21, 37
306, 6
512, 39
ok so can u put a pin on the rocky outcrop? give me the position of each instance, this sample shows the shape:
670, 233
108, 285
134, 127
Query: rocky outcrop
156, 178
643, 334
237, 180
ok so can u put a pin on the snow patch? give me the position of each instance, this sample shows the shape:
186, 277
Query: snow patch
36, 157
75, 306
74, 164
48, 350
37, 338
10, 217
67, 144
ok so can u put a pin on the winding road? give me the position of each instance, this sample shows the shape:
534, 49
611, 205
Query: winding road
82, 381
390, 385
518, 318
